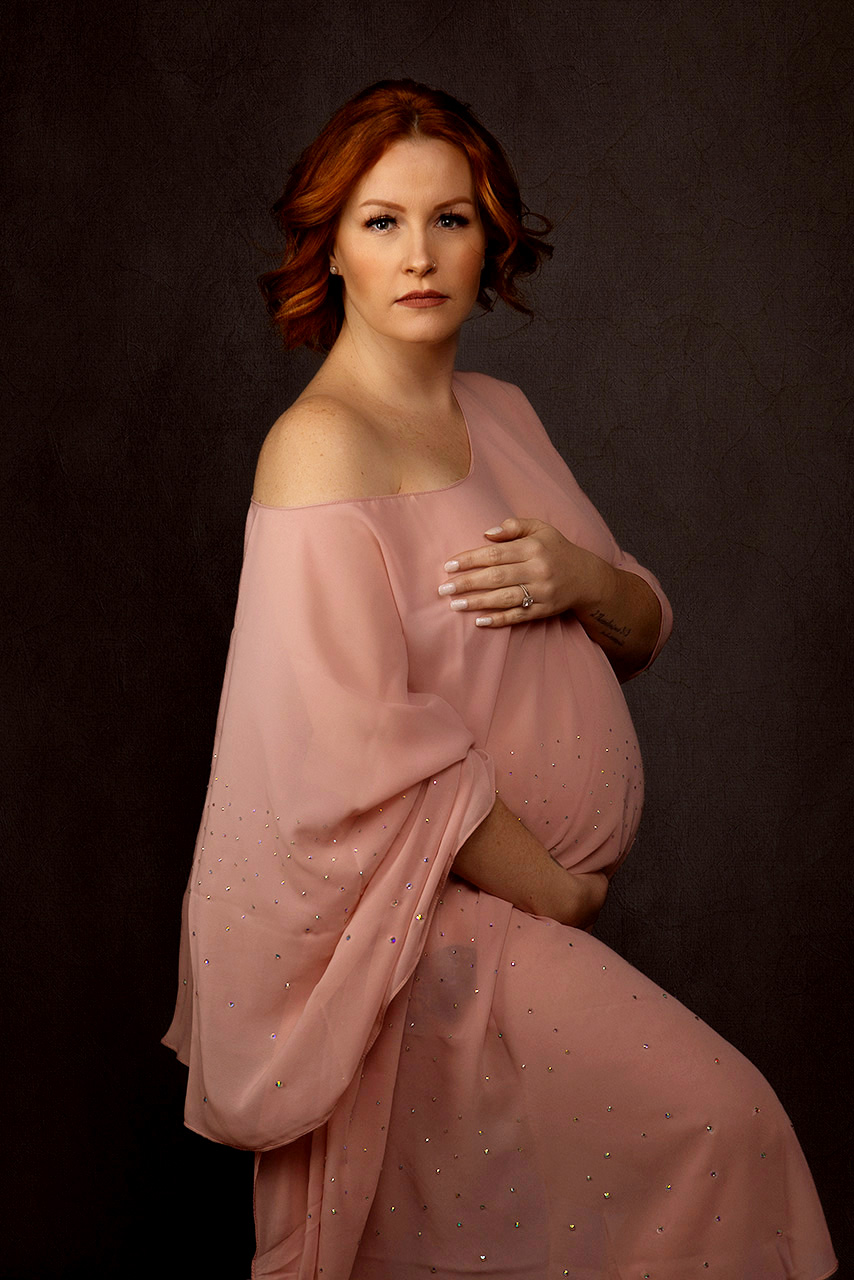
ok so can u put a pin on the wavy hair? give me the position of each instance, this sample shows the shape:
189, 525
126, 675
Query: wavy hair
303, 299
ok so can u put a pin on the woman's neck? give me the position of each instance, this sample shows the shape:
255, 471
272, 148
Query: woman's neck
403, 375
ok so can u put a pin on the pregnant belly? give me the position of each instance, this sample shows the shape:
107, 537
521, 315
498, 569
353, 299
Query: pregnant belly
566, 755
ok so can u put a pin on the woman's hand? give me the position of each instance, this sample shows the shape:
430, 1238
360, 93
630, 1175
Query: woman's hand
525, 553
586, 898
529, 570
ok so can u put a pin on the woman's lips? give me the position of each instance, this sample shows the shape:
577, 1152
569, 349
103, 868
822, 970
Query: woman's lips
427, 299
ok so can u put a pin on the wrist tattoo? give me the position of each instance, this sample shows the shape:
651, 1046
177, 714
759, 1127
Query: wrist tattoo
611, 628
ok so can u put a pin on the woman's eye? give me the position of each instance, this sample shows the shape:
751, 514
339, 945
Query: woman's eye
382, 222
448, 220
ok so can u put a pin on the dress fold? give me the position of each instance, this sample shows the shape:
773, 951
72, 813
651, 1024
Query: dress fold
338, 800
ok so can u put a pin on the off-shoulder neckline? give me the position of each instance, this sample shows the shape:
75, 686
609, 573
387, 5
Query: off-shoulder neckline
457, 383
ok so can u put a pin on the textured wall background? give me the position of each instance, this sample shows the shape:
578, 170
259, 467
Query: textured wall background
691, 359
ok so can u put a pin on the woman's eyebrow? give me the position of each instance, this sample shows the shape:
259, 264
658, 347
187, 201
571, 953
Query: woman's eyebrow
443, 204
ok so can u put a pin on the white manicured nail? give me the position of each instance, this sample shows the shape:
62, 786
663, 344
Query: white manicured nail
447, 588
498, 529
452, 566
483, 622
459, 604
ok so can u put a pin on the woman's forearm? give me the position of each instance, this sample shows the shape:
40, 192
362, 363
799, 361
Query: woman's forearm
624, 620
618, 609
503, 858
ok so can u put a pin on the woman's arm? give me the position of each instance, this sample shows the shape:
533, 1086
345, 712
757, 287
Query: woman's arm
503, 858
618, 610
623, 618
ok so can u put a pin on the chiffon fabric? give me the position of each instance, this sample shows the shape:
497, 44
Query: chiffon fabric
436, 1083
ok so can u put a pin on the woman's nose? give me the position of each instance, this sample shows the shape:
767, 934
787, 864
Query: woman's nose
418, 261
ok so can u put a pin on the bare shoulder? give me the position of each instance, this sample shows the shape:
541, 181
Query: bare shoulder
322, 449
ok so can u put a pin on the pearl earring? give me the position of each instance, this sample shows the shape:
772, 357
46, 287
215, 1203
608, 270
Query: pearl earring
333, 270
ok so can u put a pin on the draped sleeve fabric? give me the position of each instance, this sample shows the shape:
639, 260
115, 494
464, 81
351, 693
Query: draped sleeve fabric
587, 526
338, 800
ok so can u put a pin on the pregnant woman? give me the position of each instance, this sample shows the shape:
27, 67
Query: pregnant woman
425, 773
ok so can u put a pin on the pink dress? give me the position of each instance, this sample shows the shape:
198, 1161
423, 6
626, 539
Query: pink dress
438, 1084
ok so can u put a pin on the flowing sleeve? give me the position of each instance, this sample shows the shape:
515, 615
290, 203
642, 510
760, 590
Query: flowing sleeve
580, 521
337, 802
624, 560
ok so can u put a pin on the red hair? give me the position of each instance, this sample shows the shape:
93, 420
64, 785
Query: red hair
304, 301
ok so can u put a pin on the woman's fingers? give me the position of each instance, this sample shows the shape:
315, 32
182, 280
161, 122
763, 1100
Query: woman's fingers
487, 557
524, 559
497, 590
505, 619
511, 530
479, 601
514, 527
493, 567
501, 589
504, 605
492, 578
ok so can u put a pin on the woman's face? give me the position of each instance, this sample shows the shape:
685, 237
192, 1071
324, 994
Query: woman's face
410, 243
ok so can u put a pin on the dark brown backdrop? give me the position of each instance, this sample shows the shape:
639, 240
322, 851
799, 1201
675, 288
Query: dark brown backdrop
691, 359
